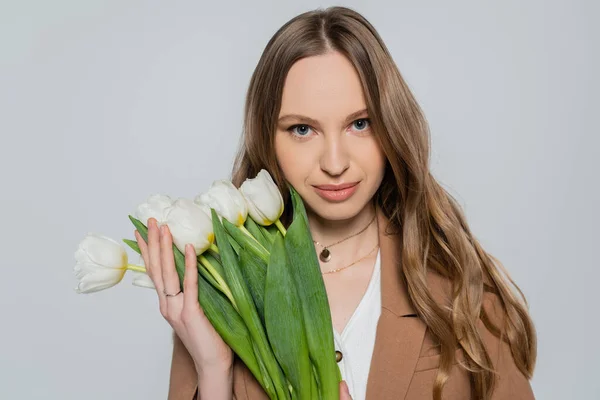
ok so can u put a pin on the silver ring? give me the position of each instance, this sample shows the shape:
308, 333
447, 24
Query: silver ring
171, 295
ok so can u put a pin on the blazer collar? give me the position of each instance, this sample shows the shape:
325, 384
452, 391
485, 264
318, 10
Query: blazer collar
394, 296
400, 332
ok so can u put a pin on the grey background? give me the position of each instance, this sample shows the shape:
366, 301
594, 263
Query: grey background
105, 102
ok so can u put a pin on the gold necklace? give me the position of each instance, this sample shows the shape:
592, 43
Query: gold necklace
355, 262
325, 254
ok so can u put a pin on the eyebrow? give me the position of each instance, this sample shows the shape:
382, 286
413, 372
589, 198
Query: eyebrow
308, 120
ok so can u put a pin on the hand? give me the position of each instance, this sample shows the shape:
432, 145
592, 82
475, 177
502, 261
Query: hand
344, 392
183, 311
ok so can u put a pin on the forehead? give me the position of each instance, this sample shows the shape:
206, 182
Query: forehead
324, 87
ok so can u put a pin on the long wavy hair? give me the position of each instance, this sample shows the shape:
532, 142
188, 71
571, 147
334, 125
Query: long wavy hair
434, 231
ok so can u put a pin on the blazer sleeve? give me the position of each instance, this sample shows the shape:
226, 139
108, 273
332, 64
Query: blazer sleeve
511, 383
183, 381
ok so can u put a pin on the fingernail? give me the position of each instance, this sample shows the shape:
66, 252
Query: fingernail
162, 230
345, 387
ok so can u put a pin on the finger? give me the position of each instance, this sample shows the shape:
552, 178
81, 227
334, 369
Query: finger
154, 254
143, 249
154, 263
169, 273
144, 253
190, 283
344, 391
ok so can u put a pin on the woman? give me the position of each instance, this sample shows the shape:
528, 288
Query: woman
419, 309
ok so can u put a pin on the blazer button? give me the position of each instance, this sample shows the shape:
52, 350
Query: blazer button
338, 356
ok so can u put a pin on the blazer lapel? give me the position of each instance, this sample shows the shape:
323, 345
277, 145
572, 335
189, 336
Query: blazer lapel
400, 333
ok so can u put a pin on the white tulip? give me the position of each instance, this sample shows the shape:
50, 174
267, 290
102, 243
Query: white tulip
227, 201
265, 203
142, 279
204, 208
101, 263
188, 223
155, 206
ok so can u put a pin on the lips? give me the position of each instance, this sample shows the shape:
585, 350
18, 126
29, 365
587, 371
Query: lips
340, 186
337, 193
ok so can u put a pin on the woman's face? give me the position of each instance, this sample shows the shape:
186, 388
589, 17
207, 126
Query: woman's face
324, 137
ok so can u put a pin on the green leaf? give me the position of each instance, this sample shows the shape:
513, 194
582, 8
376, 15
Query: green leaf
305, 269
284, 323
246, 241
208, 276
270, 230
217, 308
215, 261
273, 383
236, 246
228, 323
314, 389
141, 228
258, 233
255, 274
133, 244
178, 255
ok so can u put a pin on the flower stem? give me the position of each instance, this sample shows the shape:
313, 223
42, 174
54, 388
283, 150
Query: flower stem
279, 226
224, 288
136, 268
214, 248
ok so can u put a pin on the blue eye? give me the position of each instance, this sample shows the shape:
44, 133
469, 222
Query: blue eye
361, 124
300, 130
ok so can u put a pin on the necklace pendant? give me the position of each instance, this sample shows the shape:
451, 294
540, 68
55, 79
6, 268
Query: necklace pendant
325, 255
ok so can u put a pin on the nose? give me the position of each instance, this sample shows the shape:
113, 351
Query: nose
334, 157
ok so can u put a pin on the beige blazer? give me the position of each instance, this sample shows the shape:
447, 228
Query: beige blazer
405, 357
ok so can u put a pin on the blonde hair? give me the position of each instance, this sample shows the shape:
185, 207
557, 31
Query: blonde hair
434, 231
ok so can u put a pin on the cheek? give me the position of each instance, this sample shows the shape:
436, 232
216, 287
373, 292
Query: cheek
290, 160
373, 162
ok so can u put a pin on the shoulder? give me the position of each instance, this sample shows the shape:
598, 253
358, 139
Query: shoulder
511, 382
492, 307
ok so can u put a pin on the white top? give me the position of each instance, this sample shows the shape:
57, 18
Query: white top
358, 338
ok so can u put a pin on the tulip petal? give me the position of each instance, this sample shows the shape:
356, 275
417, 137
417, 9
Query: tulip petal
143, 280
99, 279
226, 200
155, 207
265, 203
188, 223
101, 263
101, 250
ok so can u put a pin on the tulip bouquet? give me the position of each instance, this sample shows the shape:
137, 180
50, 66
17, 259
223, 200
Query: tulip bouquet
260, 285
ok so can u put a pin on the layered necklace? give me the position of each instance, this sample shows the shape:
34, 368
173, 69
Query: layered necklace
325, 254
355, 262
